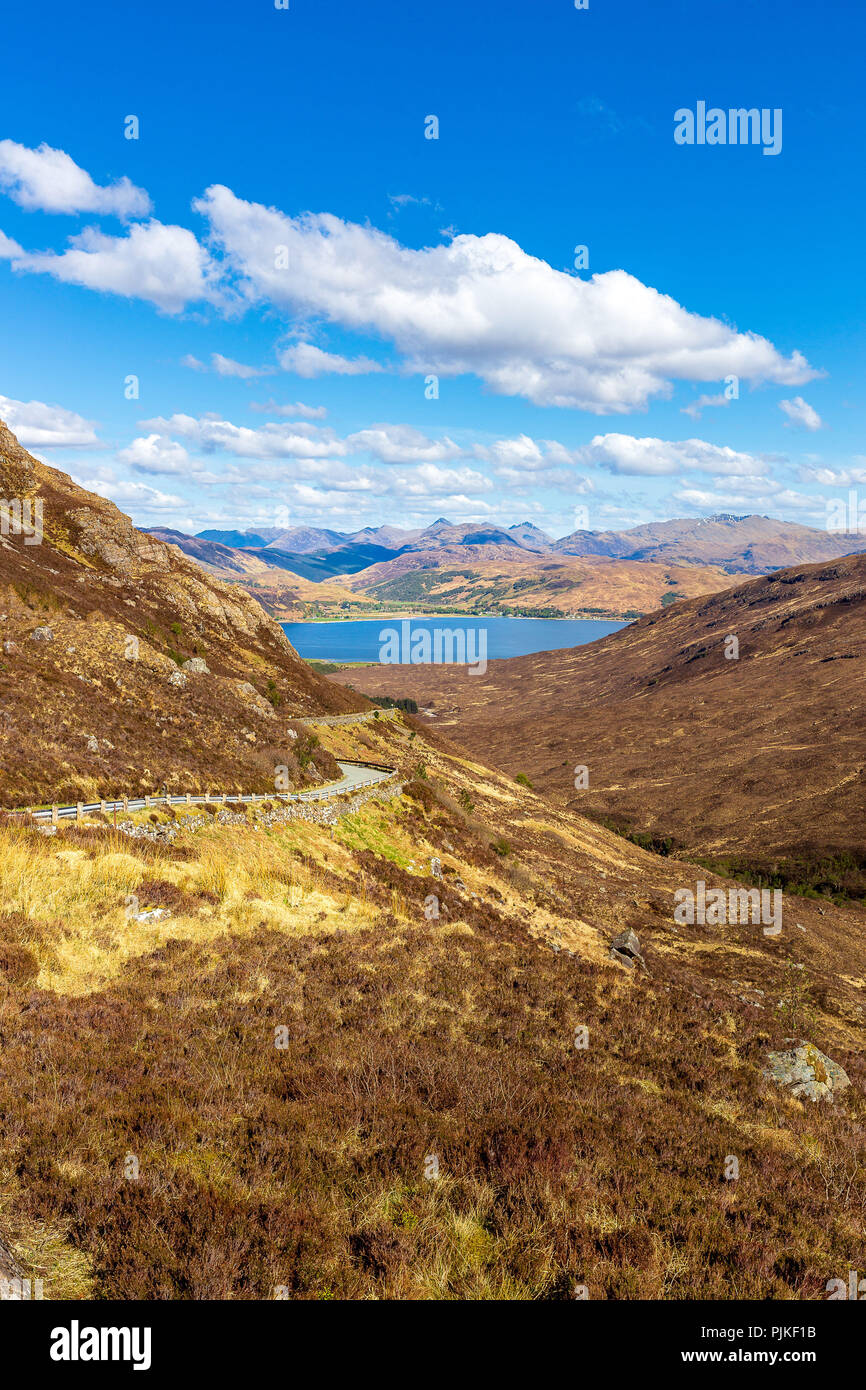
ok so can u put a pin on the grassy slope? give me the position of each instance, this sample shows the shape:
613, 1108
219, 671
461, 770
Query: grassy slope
407, 1038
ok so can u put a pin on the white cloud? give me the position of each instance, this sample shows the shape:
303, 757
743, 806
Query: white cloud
297, 440
524, 453
475, 305
156, 454
315, 502
622, 453
696, 409
307, 360
161, 264
51, 181
124, 492
38, 425
799, 412
481, 305
836, 477
9, 249
303, 412
428, 480
402, 444
402, 200
772, 499
226, 366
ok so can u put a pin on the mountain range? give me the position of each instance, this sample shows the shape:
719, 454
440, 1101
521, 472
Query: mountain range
305, 571
749, 544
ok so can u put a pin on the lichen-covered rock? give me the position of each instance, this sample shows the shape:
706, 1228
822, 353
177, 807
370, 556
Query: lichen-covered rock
42, 634
196, 666
807, 1072
177, 678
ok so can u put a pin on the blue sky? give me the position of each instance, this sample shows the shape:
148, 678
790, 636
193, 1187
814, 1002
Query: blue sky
282, 260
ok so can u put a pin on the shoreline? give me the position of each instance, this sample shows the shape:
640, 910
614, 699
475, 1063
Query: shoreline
445, 617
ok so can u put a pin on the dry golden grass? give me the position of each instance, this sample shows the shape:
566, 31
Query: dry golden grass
77, 905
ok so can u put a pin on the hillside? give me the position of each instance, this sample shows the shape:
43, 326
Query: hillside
97, 621
330, 1073
490, 579
752, 759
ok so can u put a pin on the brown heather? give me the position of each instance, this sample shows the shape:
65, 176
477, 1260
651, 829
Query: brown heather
409, 1037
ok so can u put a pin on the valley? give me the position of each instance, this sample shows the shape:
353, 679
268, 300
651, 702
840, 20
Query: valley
753, 761
432, 683
415, 1019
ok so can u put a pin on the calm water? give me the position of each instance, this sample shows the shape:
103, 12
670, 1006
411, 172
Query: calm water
359, 641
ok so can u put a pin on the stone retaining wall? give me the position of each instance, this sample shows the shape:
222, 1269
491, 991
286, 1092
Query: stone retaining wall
315, 812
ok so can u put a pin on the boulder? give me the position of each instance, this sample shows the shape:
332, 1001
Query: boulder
196, 666
625, 950
42, 634
177, 678
807, 1072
